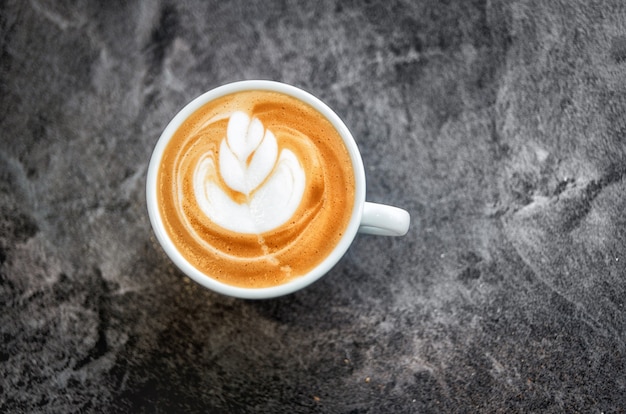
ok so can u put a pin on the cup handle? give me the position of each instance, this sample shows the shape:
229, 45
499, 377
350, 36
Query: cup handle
384, 220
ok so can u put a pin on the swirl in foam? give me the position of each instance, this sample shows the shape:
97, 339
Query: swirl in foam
249, 164
255, 188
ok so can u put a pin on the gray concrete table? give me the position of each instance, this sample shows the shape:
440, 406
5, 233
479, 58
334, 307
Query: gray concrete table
499, 125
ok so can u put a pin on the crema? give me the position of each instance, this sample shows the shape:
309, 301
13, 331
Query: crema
255, 188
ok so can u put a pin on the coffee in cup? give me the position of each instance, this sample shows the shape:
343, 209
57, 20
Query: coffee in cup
256, 186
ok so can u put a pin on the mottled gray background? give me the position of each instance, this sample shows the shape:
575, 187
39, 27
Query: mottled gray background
500, 125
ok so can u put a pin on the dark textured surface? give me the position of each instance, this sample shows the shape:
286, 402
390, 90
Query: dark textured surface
500, 126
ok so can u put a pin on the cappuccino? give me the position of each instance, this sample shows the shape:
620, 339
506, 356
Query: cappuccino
255, 188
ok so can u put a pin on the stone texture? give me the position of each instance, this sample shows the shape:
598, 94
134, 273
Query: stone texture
498, 124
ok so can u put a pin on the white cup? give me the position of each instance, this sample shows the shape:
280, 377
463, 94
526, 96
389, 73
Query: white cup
370, 218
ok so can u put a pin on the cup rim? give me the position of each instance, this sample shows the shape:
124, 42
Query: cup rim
299, 282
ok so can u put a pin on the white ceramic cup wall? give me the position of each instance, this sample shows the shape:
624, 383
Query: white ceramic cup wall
370, 218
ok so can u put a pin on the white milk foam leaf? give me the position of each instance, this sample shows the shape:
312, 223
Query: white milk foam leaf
246, 138
248, 164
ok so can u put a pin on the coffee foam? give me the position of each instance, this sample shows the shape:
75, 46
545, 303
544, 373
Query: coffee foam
271, 185
255, 188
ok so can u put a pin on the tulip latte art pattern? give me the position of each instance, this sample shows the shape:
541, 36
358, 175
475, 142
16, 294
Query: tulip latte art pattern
249, 164
255, 188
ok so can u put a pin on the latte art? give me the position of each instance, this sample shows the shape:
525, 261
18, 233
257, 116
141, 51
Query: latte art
255, 188
271, 186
